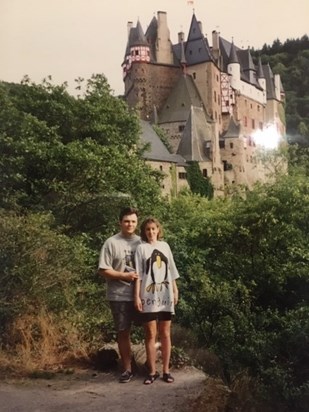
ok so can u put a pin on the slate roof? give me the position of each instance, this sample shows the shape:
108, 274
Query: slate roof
270, 84
151, 36
136, 38
197, 49
233, 130
178, 105
243, 57
260, 71
195, 135
157, 150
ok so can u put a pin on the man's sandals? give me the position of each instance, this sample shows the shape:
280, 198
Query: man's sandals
151, 378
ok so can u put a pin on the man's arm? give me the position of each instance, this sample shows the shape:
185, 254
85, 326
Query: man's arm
116, 275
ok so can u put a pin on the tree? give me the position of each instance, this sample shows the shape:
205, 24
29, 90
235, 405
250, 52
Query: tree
79, 158
199, 184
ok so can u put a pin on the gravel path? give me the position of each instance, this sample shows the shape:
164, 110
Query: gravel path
94, 392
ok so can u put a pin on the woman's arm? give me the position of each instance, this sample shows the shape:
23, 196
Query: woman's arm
175, 291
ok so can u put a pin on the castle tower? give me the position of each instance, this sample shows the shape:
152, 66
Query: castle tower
149, 70
233, 68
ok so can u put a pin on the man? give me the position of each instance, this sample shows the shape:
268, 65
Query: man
117, 266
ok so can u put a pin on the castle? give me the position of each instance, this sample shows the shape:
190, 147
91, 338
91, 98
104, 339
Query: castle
211, 102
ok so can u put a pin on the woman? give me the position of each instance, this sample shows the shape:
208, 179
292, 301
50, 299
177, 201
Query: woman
156, 294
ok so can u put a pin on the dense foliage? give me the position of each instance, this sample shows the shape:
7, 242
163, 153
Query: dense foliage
291, 60
245, 281
68, 164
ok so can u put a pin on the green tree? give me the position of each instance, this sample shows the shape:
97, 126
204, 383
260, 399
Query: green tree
79, 158
199, 184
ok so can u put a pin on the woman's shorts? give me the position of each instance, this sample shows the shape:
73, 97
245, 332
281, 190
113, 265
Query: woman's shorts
150, 316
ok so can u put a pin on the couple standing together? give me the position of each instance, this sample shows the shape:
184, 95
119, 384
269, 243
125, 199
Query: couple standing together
141, 278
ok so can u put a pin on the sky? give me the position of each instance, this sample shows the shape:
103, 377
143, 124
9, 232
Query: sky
67, 39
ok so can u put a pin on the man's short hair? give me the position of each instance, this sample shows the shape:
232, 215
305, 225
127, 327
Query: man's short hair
127, 211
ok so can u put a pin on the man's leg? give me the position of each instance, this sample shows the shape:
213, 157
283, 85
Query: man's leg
124, 346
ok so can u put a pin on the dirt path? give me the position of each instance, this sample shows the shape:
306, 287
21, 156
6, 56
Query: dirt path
94, 392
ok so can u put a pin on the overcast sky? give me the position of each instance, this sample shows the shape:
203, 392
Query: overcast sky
71, 38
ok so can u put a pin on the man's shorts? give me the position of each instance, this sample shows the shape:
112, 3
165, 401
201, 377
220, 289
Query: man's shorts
124, 313
149, 316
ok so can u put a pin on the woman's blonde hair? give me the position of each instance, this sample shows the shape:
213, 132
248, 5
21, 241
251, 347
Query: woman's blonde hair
145, 223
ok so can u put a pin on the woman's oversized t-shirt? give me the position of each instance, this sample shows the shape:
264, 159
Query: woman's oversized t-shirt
157, 270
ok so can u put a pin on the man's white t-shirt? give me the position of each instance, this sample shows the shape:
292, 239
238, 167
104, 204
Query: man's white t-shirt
118, 253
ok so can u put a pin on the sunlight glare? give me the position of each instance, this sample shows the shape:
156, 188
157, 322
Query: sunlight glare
269, 138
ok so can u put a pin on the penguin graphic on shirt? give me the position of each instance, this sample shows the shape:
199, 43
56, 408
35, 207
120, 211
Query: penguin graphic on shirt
157, 269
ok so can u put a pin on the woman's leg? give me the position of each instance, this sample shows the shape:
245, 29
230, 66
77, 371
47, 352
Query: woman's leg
150, 344
165, 339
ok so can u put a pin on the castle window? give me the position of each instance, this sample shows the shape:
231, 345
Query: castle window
217, 78
222, 144
136, 52
182, 175
161, 168
258, 107
215, 96
194, 75
251, 106
227, 165
245, 121
181, 128
231, 145
200, 49
205, 174
245, 102
253, 124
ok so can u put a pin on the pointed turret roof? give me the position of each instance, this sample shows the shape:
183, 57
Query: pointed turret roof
151, 37
183, 96
260, 71
233, 55
233, 131
195, 135
270, 84
197, 49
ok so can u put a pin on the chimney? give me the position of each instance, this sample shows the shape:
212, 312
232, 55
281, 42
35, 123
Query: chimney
215, 40
181, 37
129, 27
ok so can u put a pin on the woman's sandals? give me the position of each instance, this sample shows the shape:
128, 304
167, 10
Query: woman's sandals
151, 378
167, 377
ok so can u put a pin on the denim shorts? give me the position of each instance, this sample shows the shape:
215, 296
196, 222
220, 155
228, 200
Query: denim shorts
124, 313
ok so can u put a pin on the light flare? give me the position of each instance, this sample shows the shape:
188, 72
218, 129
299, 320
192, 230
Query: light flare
269, 137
